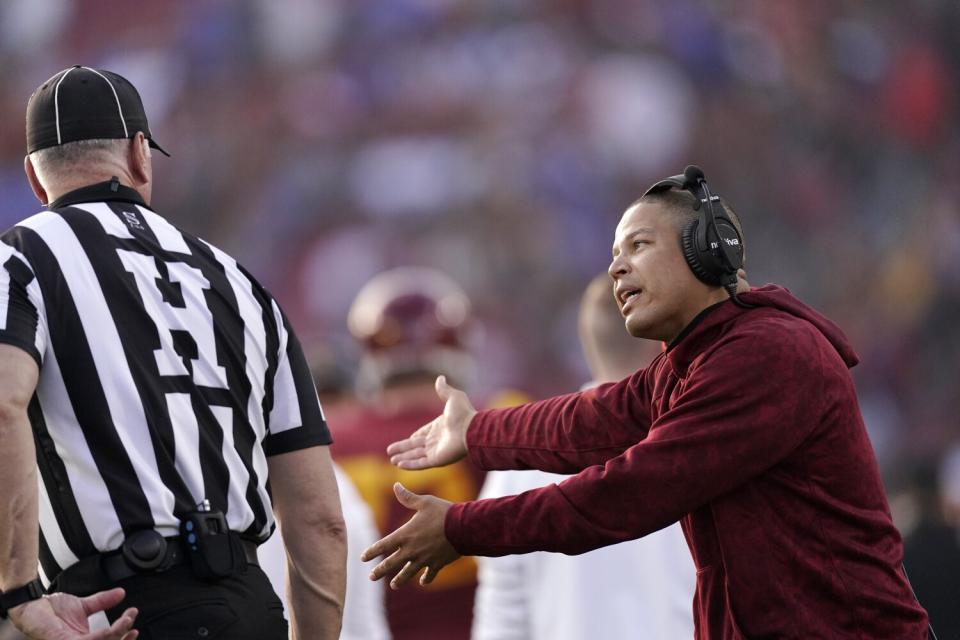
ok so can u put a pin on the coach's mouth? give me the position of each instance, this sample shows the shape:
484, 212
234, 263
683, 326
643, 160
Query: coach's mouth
625, 295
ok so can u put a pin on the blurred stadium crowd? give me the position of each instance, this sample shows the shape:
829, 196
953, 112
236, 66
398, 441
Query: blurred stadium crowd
322, 142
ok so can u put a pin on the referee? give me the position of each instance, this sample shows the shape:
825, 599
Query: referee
165, 399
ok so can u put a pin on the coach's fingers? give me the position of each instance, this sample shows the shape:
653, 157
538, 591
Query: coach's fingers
389, 565
407, 498
409, 570
403, 449
408, 456
414, 463
415, 440
444, 389
427, 576
382, 547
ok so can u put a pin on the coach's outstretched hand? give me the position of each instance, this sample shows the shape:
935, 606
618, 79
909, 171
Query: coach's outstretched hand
61, 616
419, 545
441, 441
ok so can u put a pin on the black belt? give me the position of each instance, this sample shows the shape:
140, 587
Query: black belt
143, 553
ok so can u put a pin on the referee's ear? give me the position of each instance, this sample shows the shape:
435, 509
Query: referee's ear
139, 156
140, 165
34, 181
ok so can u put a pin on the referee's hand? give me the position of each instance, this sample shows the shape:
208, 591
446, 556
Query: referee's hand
61, 616
441, 441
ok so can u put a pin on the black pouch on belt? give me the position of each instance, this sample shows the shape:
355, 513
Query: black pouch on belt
214, 551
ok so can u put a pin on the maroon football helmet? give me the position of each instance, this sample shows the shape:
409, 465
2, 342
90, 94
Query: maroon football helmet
412, 323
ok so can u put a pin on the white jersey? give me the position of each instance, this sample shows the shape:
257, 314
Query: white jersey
639, 589
364, 615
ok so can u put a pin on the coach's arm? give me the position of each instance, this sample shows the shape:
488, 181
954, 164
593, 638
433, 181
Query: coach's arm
307, 505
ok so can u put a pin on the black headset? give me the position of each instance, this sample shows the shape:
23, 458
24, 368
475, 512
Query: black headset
711, 244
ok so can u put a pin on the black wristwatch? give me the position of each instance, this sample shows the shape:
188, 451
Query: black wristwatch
33, 590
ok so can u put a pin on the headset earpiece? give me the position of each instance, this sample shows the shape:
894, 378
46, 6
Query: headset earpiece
711, 243
714, 249
692, 255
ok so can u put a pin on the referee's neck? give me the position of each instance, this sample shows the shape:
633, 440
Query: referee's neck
61, 189
135, 173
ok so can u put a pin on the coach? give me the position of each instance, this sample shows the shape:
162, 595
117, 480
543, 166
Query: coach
156, 388
747, 430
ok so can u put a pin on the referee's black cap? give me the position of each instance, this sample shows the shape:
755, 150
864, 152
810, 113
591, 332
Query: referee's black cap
81, 103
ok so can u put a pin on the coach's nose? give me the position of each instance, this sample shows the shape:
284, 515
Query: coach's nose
618, 267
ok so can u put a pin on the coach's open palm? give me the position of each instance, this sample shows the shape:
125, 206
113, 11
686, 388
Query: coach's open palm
441, 441
418, 547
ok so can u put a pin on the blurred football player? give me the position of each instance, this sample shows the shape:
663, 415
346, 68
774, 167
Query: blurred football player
412, 324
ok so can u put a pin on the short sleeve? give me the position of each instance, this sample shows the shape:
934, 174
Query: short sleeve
296, 420
22, 315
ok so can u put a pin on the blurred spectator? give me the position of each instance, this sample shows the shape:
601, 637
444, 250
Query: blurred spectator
412, 324
932, 547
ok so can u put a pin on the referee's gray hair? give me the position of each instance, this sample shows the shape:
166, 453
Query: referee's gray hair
53, 163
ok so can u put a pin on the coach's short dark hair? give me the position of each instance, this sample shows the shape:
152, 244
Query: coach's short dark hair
679, 203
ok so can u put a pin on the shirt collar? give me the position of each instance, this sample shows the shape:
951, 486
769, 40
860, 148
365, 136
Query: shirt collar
701, 331
108, 191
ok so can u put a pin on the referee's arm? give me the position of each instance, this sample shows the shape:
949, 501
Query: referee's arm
62, 616
305, 497
19, 535
307, 505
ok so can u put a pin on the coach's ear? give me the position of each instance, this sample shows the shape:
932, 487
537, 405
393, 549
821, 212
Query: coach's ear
38, 189
742, 285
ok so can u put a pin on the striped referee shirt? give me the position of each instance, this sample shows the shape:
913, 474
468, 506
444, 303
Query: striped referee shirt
167, 374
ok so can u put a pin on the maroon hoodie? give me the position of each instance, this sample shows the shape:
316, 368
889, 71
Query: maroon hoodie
748, 431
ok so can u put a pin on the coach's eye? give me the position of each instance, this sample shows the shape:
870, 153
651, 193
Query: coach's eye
638, 243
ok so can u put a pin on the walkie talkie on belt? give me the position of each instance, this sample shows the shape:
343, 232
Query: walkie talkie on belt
214, 552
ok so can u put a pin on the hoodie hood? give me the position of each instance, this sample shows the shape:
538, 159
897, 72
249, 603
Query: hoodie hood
777, 297
711, 321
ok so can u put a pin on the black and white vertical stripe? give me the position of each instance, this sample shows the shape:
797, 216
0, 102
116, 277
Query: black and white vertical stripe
168, 375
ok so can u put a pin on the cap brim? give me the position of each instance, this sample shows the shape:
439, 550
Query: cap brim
154, 145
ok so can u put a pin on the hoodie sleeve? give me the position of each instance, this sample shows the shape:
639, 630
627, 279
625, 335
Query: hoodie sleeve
749, 403
564, 434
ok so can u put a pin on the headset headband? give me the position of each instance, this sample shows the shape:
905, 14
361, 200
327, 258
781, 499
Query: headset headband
711, 243
693, 180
